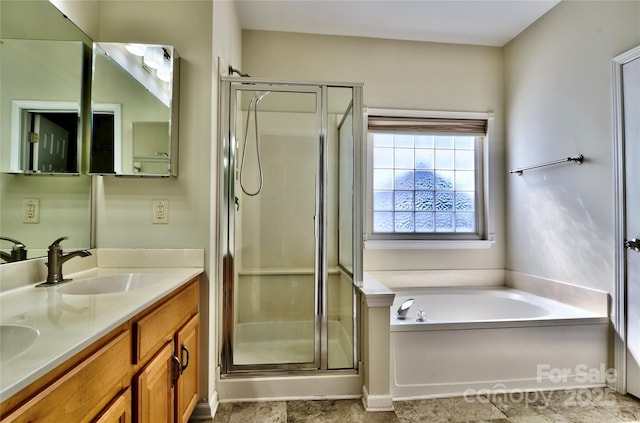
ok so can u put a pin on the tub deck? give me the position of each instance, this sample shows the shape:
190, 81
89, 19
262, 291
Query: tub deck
469, 308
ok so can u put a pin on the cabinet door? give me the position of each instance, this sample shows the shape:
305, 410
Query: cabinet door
119, 411
188, 385
154, 389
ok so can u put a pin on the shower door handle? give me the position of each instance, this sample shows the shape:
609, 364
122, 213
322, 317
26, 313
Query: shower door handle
633, 244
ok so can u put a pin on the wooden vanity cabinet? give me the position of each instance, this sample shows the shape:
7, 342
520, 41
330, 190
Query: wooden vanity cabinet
166, 388
147, 370
84, 387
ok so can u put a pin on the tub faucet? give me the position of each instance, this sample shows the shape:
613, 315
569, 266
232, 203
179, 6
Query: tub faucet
404, 308
55, 260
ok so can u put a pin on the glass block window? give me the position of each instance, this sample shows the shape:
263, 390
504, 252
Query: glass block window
423, 183
426, 178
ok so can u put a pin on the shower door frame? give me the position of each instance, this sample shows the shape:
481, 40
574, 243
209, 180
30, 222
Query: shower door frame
229, 87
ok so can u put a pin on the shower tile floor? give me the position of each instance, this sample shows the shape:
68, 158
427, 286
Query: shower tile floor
289, 352
572, 406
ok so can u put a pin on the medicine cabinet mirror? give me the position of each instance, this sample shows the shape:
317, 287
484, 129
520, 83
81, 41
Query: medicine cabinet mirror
134, 109
44, 59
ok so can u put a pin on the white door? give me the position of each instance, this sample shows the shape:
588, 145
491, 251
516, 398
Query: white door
631, 128
53, 142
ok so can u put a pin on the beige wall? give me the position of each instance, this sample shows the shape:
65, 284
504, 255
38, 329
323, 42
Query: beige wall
124, 205
399, 74
558, 96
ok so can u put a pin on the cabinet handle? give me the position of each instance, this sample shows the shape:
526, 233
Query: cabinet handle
183, 367
176, 366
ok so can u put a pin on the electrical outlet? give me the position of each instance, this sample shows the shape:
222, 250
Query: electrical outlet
160, 211
31, 207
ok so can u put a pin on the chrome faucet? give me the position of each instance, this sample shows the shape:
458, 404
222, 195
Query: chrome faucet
404, 308
55, 260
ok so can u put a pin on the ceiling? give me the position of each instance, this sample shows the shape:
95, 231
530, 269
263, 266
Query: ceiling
479, 22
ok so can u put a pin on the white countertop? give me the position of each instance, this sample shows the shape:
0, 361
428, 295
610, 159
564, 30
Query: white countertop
69, 323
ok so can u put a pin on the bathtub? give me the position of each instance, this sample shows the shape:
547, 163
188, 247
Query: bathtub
483, 340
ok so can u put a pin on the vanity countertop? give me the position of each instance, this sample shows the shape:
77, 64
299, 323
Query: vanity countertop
69, 323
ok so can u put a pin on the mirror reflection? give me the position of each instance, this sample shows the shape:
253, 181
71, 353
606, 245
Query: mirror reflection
42, 70
134, 101
41, 97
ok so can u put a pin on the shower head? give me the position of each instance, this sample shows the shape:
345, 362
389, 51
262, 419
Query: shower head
232, 70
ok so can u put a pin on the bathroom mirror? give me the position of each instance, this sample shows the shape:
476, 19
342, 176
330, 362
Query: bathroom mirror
43, 62
134, 108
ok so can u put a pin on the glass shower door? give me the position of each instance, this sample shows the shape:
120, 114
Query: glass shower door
275, 161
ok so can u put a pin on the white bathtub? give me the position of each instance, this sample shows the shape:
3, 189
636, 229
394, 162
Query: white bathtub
491, 340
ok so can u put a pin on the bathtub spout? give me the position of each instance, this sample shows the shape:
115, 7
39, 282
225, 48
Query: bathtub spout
404, 308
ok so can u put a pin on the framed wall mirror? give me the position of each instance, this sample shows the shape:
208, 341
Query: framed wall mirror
134, 110
44, 59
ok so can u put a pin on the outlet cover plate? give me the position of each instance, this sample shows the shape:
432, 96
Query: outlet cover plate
31, 210
160, 212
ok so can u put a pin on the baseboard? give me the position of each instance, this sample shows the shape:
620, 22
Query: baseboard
205, 411
376, 402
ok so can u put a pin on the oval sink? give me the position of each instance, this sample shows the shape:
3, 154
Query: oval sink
15, 339
108, 284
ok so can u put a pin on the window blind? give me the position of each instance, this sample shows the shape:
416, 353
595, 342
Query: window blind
475, 127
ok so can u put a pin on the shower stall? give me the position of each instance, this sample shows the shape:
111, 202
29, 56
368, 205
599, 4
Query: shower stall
290, 164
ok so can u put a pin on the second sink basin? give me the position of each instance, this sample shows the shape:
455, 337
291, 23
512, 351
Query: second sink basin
15, 339
108, 284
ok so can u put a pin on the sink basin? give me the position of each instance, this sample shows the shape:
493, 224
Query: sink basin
15, 339
108, 284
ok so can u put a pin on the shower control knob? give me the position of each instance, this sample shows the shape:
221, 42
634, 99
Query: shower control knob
633, 244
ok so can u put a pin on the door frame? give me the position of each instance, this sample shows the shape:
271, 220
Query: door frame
19, 108
619, 311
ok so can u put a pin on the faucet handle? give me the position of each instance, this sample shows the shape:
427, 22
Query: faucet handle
57, 242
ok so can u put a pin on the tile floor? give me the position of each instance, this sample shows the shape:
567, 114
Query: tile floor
597, 405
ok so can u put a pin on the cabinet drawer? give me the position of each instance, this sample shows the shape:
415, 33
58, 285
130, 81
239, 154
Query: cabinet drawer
158, 327
80, 394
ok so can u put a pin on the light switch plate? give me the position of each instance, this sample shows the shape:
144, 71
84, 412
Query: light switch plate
31, 210
160, 211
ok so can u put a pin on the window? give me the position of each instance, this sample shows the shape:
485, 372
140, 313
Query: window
427, 176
